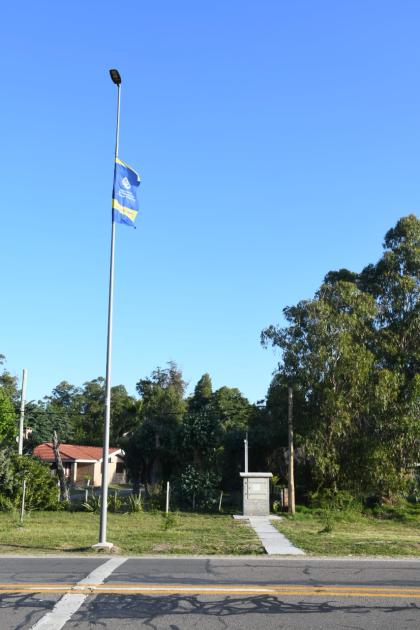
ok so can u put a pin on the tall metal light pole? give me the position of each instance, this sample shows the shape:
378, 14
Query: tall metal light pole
116, 79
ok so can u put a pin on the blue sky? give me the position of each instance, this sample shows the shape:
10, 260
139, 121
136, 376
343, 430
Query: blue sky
276, 141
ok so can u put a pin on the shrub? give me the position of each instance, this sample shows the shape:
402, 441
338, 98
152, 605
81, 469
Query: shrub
133, 503
328, 519
277, 507
115, 502
199, 490
168, 520
41, 489
155, 497
6, 505
340, 501
93, 504
303, 509
405, 512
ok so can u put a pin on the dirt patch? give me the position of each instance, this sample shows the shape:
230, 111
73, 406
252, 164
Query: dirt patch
161, 547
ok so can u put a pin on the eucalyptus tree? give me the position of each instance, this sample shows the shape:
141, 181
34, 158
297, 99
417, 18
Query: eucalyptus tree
353, 354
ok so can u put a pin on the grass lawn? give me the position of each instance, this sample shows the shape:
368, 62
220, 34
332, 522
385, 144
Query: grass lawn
136, 533
354, 534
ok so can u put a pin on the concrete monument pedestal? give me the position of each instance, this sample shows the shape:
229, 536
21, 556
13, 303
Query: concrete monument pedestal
256, 497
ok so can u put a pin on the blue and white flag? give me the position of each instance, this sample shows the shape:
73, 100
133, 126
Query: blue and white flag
124, 194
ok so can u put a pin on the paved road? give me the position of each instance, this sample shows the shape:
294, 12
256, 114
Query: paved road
207, 593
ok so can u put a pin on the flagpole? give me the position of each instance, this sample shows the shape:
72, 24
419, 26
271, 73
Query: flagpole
105, 456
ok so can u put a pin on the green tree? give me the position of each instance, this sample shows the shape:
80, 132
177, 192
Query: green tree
58, 412
200, 427
125, 413
232, 407
8, 420
202, 394
9, 384
153, 449
395, 284
352, 354
201, 432
326, 354
213, 431
77, 413
41, 489
234, 412
89, 409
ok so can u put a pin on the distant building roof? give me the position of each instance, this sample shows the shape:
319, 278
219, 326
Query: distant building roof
72, 452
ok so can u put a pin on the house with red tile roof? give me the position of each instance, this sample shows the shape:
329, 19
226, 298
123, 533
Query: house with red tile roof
83, 463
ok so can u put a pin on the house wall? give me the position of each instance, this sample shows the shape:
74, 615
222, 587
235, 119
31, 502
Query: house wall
113, 476
119, 477
83, 471
97, 474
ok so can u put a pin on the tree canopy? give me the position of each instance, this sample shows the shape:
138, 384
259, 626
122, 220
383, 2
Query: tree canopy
352, 352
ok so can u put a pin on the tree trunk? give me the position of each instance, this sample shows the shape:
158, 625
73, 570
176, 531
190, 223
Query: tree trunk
64, 491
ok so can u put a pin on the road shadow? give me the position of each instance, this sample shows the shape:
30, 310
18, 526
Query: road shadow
31, 605
107, 609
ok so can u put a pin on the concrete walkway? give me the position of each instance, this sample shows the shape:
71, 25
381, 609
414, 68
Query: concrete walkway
272, 540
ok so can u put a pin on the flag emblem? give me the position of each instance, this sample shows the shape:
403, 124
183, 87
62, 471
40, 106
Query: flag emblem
124, 194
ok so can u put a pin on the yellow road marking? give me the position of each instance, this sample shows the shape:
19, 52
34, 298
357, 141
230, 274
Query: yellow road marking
216, 589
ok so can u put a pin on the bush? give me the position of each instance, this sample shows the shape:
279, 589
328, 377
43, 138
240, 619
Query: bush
133, 503
340, 501
41, 489
332, 507
277, 507
155, 497
168, 520
93, 504
303, 509
328, 518
115, 503
6, 504
198, 490
404, 512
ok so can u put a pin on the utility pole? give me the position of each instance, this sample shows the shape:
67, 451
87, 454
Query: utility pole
291, 476
22, 412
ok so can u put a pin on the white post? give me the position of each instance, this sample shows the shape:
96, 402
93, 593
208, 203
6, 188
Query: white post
167, 497
246, 452
22, 413
22, 507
